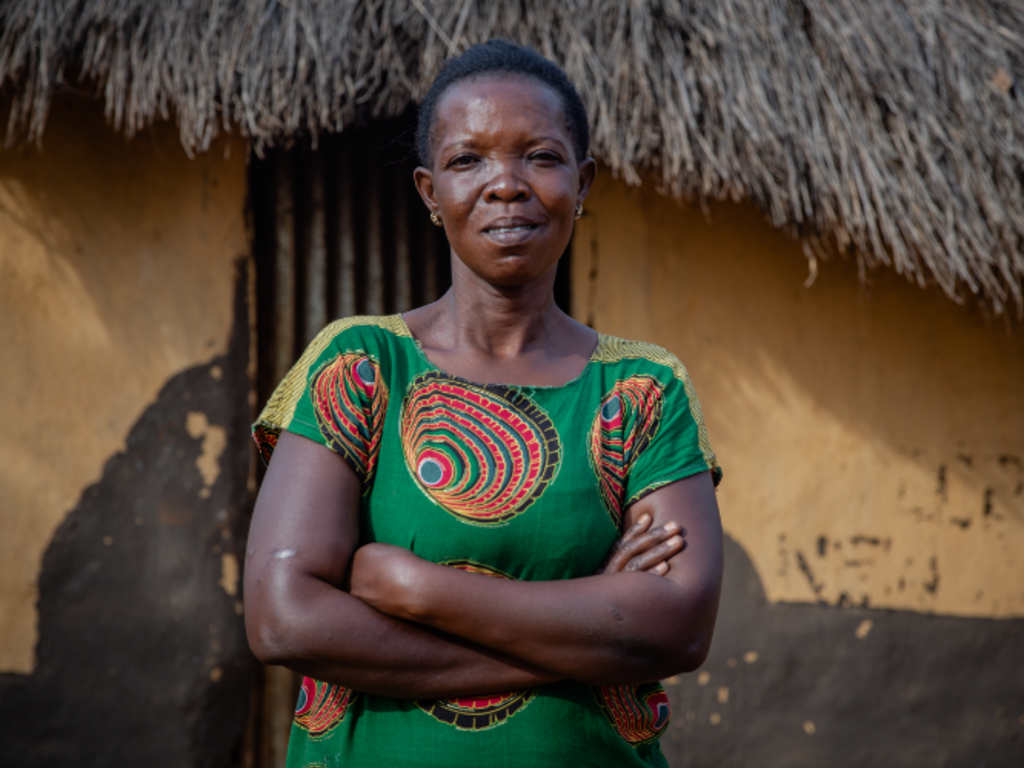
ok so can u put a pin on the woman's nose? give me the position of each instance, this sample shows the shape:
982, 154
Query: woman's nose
507, 184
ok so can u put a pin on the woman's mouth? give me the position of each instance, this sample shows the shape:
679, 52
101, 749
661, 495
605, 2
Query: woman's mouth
511, 231
504, 230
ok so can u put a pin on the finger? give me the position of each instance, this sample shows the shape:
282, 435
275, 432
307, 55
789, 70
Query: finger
642, 524
670, 528
620, 555
650, 539
661, 553
625, 546
670, 549
626, 551
654, 536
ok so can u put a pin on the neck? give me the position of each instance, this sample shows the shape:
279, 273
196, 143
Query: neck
501, 322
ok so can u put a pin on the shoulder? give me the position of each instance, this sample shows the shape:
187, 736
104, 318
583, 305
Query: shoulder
347, 342
640, 356
636, 364
369, 333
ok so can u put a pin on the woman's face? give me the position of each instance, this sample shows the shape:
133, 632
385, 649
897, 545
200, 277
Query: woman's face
504, 177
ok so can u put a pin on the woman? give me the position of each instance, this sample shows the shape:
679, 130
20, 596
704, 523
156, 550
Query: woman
445, 483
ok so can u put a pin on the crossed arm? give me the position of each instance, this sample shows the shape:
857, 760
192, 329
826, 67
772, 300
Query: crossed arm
381, 620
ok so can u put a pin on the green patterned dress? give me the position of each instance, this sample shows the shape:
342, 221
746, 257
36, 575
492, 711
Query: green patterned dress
514, 482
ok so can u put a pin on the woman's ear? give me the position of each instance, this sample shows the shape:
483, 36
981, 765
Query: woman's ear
424, 181
588, 172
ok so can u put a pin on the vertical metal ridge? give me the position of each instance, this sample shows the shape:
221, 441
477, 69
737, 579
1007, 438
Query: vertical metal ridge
401, 247
343, 207
282, 344
313, 243
373, 255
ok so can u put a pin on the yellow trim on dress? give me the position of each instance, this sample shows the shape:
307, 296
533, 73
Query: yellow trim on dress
280, 409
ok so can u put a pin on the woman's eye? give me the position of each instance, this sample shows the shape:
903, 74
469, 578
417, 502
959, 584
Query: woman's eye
546, 156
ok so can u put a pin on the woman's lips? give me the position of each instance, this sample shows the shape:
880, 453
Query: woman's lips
512, 234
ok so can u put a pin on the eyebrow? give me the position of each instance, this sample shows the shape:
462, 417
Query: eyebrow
469, 143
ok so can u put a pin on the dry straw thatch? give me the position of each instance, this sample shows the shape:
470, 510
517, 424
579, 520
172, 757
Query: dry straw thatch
891, 128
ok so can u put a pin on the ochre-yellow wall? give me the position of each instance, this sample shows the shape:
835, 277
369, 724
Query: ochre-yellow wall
872, 438
117, 268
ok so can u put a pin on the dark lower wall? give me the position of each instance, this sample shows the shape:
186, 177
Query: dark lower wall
142, 658
804, 685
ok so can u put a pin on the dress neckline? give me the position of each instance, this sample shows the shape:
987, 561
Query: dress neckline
591, 361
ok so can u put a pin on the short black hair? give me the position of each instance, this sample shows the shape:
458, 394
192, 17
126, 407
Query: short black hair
501, 57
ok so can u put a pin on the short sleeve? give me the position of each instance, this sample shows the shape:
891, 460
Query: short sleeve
669, 440
334, 395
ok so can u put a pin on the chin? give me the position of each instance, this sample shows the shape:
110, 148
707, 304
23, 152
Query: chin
513, 267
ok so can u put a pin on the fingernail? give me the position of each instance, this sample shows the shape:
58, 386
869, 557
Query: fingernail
661, 567
675, 540
643, 519
671, 525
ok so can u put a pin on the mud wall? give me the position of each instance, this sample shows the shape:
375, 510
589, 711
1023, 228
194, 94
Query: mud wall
873, 446
124, 398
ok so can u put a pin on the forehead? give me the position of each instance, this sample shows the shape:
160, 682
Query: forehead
499, 103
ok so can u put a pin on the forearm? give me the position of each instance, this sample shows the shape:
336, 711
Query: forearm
610, 629
320, 631
304, 530
603, 630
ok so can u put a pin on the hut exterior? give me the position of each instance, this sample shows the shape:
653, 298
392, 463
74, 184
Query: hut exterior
818, 206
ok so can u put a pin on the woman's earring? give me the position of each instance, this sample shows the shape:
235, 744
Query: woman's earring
579, 210
436, 219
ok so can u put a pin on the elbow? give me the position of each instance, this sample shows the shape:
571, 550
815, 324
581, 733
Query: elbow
693, 654
694, 639
678, 659
266, 641
276, 610
270, 633
687, 652
646, 663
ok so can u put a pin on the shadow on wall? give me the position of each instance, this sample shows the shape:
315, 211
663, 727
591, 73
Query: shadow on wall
813, 685
142, 657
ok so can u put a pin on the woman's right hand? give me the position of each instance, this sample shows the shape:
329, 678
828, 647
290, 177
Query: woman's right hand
642, 548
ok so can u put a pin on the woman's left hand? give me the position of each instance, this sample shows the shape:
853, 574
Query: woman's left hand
645, 548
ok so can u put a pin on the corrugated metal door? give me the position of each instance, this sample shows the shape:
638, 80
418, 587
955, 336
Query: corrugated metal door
339, 230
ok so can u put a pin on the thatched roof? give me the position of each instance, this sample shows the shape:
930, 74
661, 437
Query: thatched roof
892, 128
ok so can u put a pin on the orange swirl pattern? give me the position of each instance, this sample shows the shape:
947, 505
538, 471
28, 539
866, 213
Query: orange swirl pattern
266, 440
483, 453
623, 427
321, 707
639, 713
350, 400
